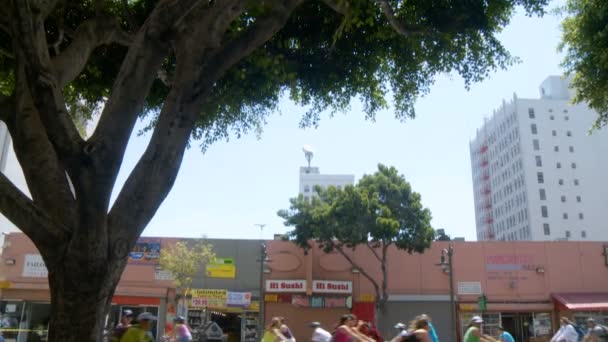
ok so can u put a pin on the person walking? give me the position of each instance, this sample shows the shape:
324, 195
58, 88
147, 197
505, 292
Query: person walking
182, 330
566, 332
122, 326
432, 331
473, 333
595, 332
273, 332
346, 331
286, 331
140, 332
504, 336
419, 327
319, 334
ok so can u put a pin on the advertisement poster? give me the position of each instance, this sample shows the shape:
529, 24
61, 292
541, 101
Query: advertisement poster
208, 298
241, 299
146, 252
221, 268
34, 267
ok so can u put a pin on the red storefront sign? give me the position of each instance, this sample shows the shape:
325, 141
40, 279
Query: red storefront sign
285, 285
332, 286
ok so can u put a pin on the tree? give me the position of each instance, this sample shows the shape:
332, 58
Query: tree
585, 43
185, 260
199, 70
440, 235
380, 211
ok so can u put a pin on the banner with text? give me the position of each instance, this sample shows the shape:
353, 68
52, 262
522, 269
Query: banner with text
285, 285
145, 252
221, 268
242, 299
332, 286
208, 298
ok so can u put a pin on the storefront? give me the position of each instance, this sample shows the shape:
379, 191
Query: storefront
527, 322
326, 301
234, 312
582, 306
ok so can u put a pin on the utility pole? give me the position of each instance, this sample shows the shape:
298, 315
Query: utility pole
262, 287
447, 267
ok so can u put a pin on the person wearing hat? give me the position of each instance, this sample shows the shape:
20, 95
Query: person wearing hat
319, 334
566, 332
123, 325
504, 336
140, 332
595, 332
473, 333
182, 331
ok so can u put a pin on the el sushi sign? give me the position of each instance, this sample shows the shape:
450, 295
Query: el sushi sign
332, 286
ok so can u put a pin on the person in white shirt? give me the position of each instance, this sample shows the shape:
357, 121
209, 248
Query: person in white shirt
566, 332
319, 334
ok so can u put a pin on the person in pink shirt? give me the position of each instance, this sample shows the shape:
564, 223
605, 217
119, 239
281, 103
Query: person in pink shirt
182, 330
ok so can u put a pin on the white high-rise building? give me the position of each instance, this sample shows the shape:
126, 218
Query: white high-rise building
538, 174
310, 177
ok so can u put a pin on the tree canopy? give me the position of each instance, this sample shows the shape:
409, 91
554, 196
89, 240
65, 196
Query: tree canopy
585, 40
380, 211
198, 69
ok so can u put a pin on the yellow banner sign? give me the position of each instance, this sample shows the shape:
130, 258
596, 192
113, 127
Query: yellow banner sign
208, 298
367, 298
5, 284
468, 307
271, 298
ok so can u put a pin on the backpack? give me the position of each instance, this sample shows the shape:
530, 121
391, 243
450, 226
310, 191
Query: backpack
605, 334
580, 332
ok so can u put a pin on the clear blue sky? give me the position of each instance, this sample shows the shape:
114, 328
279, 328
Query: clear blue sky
236, 184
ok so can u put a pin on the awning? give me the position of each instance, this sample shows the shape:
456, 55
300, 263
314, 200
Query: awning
583, 301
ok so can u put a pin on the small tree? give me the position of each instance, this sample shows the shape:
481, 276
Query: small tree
184, 261
379, 212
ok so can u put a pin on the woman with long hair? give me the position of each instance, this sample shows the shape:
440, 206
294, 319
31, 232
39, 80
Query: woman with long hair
346, 331
273, 332
420, 327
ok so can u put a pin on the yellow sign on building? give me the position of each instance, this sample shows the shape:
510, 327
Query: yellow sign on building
208, 298
221, 268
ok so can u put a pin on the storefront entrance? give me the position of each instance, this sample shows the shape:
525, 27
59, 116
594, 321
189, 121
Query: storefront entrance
520, 325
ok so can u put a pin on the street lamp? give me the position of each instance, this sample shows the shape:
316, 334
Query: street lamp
263, 260
447, 267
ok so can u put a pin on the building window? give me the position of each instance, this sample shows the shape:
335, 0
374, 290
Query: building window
559, 165
566, 118
571, 148
578, 199
536, 144
567, 234
583, 234
554, 133
556, 148
540, 177
550, 111
306, 188
543, 211
551, 117
560, 182
569, 133
531, 113
543, 194
563, 198
534, 129
574, 165
576, 182
565, 216
306, 198
581, 216
546, 229
565, 111
539, 162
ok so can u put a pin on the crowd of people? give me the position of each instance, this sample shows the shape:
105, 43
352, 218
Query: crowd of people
351, 329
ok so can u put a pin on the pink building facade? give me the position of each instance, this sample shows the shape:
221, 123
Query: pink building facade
527, 286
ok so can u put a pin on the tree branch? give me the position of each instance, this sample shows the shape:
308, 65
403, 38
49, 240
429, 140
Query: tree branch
154, 175
373, 251
30, 38
399, 27
361, 270
89, 35
22, 212
337, 5
138, 71
7, 107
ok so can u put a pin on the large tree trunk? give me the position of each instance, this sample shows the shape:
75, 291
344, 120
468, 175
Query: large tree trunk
81, 296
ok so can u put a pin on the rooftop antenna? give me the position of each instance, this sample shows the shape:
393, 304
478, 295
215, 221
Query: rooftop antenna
308, 154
